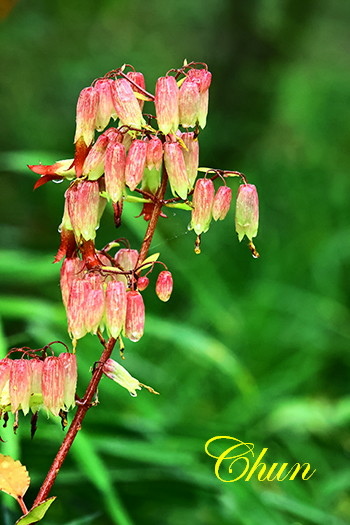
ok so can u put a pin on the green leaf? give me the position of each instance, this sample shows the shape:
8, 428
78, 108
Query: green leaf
37, 513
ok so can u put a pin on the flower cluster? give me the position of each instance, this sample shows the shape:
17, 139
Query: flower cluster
40, 382
136, 159
109, 298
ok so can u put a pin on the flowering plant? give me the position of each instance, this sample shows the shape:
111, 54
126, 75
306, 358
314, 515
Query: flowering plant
151, 159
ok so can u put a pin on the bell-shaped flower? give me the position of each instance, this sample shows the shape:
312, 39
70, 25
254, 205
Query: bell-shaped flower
247, 211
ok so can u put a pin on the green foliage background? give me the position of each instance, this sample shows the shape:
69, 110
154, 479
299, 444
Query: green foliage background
256, 349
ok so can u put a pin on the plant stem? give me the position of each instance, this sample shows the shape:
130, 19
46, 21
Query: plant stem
91, 390
154, 218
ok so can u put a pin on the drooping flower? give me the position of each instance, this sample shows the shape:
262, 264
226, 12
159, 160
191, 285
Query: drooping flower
115, 170
175, 166
126, 104
135, 316
52, 385
84, 208
69, 368
135, 163
203, 199
164, 285
20, 385
115, 307
167, 104
247, 211
86, 115
105, 107
189, 99
222, 203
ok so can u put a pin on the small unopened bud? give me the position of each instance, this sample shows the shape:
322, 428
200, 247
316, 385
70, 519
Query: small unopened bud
175, 166
167, 104
164, 285
154, 153
115, 307
86, 115
139, 79
52, 384
83, 203
126, 259
20, 385
135, 316
247, 211
189, 103
126, 104
142, 283
5, 370
70, 376
135, 163
94, 163
191, 156
115, 170
105, 108
222, 203
203, 198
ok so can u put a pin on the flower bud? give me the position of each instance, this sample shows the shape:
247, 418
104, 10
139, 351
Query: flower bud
115, 307
120, 375
167, 104
71, 269
164, 285
222, 203
52, 384
115, 170
94, 302
5, 370
175, 166
139, 79
135, 163
86, 115
83, 203
154, 153
142, 283
69, 368
126, 104
135, 316
191, 156
203, 199
126, 259
105, 108
20, 385
247, 211
94, 163
189, 103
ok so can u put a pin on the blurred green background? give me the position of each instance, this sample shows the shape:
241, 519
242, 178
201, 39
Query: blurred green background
255, 349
